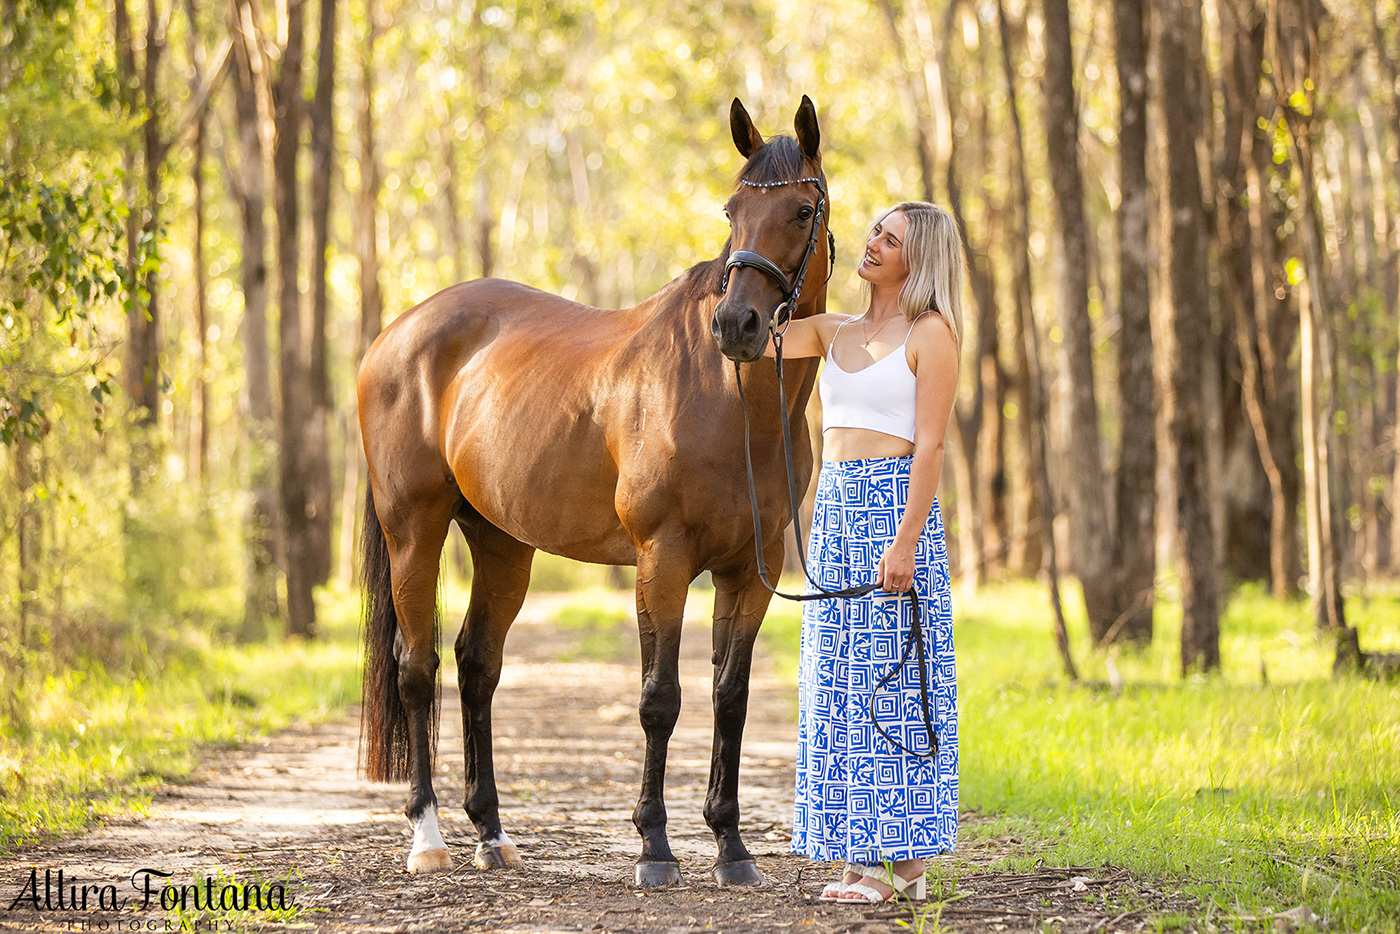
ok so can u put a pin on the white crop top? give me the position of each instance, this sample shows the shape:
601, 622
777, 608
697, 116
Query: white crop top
879, 397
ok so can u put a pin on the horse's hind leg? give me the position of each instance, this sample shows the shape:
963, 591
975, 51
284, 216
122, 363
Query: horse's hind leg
500, 576
415, 537
740, 602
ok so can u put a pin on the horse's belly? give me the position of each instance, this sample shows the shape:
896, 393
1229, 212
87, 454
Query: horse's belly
543, 476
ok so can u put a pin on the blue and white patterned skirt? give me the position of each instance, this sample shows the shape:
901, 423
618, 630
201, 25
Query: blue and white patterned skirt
860, 799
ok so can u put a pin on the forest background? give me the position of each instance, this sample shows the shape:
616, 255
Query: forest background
1183, 230
1182, 218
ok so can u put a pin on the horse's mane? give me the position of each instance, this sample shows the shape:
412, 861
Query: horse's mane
779, 159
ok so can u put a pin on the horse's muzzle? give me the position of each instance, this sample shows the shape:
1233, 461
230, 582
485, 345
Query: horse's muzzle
740, 330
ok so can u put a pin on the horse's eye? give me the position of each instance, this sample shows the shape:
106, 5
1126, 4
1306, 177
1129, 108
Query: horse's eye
805, 214
727, 218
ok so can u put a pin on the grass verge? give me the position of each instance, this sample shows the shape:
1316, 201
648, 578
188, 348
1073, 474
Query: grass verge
1268, 786
91, 744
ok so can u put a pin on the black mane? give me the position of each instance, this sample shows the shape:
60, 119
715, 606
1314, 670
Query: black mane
779, 159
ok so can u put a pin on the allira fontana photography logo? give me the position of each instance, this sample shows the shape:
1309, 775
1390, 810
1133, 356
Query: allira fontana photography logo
149, 889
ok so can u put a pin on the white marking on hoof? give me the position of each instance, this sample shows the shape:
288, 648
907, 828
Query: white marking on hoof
429, 853
498, 853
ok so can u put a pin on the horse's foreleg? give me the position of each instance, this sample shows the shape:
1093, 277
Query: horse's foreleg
500, 577
415, 552
661, 587
740, 602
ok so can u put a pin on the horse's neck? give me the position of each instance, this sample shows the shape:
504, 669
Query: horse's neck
671, 319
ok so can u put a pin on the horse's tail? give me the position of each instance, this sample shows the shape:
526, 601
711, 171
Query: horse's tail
383, 720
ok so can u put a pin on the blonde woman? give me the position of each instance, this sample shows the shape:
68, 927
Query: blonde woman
887, 390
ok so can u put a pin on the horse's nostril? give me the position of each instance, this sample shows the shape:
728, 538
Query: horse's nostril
751, 324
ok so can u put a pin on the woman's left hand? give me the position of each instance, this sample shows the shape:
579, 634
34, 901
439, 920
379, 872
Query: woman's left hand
895, 572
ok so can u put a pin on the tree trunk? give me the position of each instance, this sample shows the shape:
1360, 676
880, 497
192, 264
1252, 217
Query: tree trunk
1367, 451
1251, 475
367, 253
1179, 55
1296, 74
1391, 70
297, 402
137, 94
143, 351
1036, 414
914, 95
1026, 555
1092, 559
986, 417
199, 447
250, 186
1273, 328
317, 453
126, 97
1240, 246
350, 499
484, 218
451, 207
28, 531
367, 198
1137, 461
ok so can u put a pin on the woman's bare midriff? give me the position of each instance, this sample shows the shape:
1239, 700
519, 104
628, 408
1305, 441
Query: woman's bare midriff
850, 444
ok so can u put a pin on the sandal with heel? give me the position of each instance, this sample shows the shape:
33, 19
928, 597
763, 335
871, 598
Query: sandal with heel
915, 889
832, 891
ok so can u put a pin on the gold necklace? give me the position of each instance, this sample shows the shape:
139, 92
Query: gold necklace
866, 343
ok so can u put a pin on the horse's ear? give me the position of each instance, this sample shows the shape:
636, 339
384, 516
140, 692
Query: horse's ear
809, 137
746, 137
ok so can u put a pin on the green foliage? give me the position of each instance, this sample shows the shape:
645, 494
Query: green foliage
62, 256
1247, 794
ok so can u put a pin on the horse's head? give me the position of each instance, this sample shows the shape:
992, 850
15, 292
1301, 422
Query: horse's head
778, 232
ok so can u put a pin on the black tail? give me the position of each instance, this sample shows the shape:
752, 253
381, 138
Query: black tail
383, 720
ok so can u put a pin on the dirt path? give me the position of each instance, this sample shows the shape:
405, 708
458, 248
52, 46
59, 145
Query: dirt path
568, 749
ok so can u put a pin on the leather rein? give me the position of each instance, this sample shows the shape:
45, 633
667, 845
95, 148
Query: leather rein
791, 289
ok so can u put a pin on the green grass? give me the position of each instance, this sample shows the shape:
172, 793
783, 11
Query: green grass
92, 745
1253, 796
601, 634
219, 901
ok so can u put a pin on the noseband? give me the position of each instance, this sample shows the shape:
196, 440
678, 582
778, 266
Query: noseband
791, 288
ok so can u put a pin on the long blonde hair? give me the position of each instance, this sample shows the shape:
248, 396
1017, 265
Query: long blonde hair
937, 264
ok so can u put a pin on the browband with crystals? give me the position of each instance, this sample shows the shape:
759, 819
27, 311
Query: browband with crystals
791, 181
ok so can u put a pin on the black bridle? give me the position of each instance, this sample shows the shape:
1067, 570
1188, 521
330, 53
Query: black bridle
791, 289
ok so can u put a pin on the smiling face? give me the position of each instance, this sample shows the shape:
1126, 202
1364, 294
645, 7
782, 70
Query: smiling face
884, 263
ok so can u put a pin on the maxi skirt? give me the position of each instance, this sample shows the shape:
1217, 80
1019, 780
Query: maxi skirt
858, 798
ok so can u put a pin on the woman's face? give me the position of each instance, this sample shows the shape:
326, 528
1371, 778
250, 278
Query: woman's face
884, 262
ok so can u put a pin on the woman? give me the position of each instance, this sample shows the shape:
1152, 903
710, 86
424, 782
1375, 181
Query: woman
887, 392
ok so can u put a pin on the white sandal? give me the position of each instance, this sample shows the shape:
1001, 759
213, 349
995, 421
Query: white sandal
898, 885
832, 891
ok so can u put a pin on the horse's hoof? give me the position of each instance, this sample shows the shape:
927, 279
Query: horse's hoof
742, 872
655, 875
434, 860
498, 856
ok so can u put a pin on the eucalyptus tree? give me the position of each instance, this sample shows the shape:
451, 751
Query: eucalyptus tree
1182, 97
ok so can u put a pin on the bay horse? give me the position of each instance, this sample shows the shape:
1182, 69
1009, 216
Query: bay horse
611, 437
